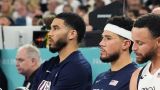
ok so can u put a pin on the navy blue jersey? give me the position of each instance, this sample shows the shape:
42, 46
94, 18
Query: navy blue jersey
117, 80
74, 73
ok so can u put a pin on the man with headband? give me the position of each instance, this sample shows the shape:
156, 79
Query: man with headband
115, 48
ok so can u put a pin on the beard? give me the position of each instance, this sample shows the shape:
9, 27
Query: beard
111, 58
147, 57
59, 45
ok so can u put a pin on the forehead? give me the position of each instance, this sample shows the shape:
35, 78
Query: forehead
58, 22
133, 1
21, 52
109, 33
141, 33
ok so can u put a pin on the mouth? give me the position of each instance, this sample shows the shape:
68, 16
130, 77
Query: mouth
50, 42
138, 55
102, 51
18, 69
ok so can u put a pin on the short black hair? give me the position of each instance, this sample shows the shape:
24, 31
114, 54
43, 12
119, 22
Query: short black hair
75, 22
150, 21
123, 22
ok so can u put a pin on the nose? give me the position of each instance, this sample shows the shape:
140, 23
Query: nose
135, 46
17, 64
49, 33
101, 43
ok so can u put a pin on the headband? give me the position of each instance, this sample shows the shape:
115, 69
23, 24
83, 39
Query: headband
118, 30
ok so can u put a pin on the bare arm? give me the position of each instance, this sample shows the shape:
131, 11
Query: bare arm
133, 81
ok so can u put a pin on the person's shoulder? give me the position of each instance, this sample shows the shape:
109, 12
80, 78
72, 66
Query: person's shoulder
134, 79
102, 74
99, 77
130, 68
79, 59
50, 62
133, 65
136, 73
78, 65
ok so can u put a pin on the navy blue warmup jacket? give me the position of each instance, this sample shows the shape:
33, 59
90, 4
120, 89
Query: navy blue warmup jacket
74, 73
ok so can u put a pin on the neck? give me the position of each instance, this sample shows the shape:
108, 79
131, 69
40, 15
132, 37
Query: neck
66, 51
155, 64
122, 61
28, 75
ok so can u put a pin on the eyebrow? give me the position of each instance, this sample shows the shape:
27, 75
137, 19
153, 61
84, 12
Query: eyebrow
106, 36
139, 41
54, 26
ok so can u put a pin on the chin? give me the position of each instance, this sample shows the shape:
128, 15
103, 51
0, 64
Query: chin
102, 58
21, 73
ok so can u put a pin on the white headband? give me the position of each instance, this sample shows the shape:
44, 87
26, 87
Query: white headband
118, 30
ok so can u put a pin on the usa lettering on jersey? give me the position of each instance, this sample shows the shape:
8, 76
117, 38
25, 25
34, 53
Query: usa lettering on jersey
45, 85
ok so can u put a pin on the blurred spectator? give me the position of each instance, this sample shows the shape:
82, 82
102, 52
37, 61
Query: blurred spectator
33, 8
144, 10
74, 4
99, 4
27, 63
3, 81
67, 8
6, 21
156, 11
133, 4
84, 2
152, 4
36, 20
21, 13
98, 17
20, 8
132, 14
47, 22
51, 6
43, 5
6, 8
83, 12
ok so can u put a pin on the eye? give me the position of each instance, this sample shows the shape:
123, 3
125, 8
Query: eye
107, 38
20, 60
139, 43
55, 28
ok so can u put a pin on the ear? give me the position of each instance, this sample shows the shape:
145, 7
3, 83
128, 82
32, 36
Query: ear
158, 41
126, 44
33, 61
72, 34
